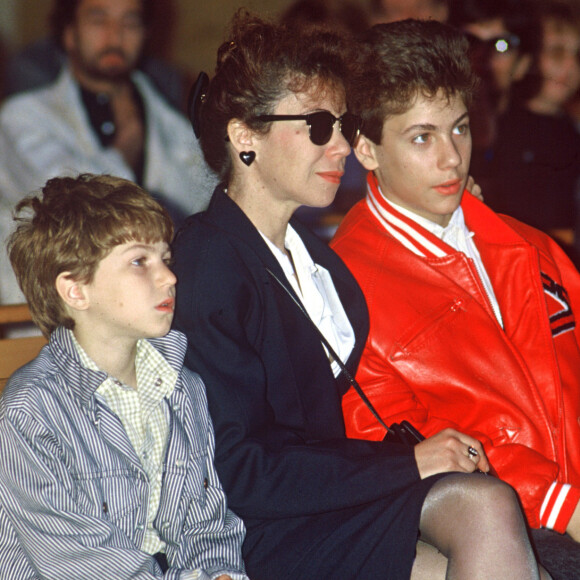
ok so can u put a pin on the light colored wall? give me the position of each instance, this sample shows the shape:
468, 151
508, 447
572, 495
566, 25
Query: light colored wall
201, 27
31, 17
7, 21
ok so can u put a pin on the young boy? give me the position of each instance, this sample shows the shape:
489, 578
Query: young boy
106, 445
471, 314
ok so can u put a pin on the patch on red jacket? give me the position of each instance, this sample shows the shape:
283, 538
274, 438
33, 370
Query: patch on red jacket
559, 309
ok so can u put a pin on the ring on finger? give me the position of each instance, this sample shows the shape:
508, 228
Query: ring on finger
472, 452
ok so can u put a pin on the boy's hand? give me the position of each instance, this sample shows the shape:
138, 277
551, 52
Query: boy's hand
448, 451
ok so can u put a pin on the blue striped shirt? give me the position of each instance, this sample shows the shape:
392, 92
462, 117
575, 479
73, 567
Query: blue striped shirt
74, 495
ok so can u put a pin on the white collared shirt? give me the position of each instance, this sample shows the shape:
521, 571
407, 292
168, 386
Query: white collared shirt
314, 285
459, 237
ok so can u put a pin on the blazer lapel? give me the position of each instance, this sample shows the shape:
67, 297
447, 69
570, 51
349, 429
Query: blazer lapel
226, 214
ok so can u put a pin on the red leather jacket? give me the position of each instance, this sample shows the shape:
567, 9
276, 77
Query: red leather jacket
437, 356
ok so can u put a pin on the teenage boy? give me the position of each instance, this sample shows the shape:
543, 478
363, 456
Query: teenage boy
106, 445
471, 314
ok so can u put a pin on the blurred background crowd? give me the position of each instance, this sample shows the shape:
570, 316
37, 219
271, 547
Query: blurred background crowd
525, 123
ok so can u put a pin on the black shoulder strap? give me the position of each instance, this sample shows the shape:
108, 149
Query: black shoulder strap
333, 354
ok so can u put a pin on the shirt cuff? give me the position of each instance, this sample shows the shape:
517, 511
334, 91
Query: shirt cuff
558, 506
233, 575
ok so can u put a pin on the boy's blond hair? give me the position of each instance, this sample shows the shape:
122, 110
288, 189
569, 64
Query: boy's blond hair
71, 227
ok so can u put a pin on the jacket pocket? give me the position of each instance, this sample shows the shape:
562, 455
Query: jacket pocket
114, 496
200, 498
428, 329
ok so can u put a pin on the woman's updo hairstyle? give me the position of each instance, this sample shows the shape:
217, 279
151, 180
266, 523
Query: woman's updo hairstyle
258, 66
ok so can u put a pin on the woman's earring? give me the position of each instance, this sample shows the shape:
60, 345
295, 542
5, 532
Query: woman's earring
248, 157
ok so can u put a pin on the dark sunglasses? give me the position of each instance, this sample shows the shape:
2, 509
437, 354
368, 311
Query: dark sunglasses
500, 44
321, 124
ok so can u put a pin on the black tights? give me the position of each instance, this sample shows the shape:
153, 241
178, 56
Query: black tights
472, 528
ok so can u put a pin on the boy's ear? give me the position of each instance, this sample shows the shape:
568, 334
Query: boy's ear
72, 292
240, 136
365, 152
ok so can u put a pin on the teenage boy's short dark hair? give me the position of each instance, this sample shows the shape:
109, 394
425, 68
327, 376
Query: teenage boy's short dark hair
401, 60
71, 228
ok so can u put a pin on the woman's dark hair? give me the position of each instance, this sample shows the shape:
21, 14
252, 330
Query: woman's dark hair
261, 63
401, 60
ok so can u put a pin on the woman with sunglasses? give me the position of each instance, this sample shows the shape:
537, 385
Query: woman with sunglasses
255, 290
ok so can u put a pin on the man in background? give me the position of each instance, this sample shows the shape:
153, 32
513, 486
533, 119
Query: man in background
100, 116
39, 62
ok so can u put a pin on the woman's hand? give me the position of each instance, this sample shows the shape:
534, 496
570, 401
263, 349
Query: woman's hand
473, 188
449, 451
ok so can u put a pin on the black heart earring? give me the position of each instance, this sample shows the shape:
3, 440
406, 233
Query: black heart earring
248, 157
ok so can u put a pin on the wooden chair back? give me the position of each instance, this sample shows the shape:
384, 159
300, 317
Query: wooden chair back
14, 352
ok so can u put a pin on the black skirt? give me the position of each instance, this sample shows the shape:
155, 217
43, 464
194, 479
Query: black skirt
375, 540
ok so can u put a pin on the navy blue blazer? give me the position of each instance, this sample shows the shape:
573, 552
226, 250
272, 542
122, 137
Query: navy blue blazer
276, 406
